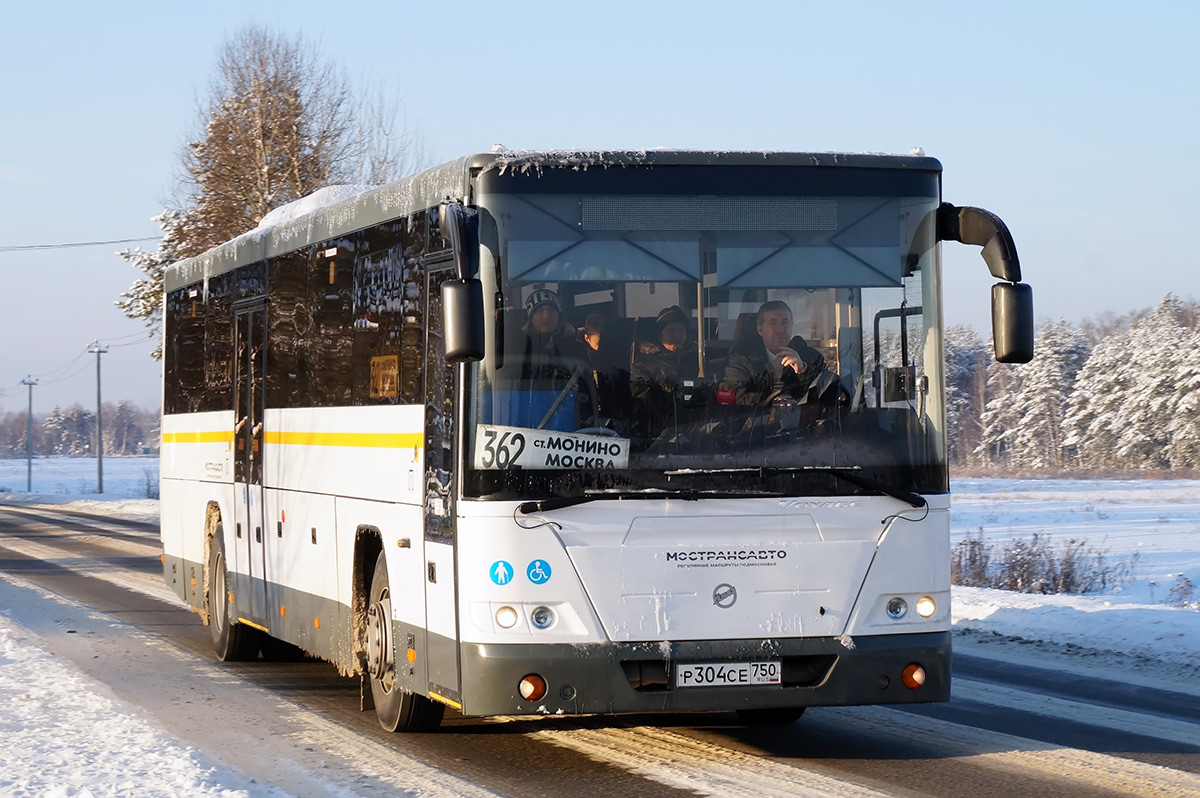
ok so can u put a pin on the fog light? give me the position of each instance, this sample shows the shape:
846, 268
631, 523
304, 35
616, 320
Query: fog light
897, 608
542, 617
533, 687
506, 617
926, 606
913, 676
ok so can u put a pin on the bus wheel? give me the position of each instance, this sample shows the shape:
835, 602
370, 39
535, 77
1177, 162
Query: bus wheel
232, 641
398, 709
770, 716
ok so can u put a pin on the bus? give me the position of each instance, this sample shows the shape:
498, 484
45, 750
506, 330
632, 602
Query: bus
566, 432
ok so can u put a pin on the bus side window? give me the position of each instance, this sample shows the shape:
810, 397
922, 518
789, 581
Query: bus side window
289, 376
378, 315
330, 280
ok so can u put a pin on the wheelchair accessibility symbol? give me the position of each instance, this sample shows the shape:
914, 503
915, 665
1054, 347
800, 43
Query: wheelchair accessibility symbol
538, 572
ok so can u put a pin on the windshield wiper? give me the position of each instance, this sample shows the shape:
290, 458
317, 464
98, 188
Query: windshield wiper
687, 494
916, 500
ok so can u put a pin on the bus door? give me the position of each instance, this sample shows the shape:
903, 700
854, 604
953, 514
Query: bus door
249, 351
441, 596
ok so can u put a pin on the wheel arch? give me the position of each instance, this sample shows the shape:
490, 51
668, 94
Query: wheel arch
212, 520
368, 544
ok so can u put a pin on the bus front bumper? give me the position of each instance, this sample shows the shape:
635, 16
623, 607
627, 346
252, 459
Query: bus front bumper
641, 677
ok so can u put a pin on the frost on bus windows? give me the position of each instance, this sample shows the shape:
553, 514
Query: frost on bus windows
727, 342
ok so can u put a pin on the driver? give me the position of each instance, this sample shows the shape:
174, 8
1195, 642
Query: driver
772, 362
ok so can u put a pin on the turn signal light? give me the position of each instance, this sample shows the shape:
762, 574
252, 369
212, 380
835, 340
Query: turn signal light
533, 687
913, 676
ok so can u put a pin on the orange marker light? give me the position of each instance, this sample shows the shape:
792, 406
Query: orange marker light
412, 655
913, 676
316, 623
532, 687
283, 612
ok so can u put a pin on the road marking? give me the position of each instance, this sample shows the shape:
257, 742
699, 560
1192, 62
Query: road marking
1076, 711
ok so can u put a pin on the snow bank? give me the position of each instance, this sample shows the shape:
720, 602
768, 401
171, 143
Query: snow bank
65, 735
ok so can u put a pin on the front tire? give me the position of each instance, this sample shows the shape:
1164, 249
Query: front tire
399, 710
232, 641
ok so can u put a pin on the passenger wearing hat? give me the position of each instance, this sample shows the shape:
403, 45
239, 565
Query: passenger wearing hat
661, 369
552, 355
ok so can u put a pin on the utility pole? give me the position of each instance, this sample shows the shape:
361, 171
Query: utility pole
99, 350
30, 381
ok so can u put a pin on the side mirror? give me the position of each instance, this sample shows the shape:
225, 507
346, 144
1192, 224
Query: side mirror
458, 224
462, 320
1012, 322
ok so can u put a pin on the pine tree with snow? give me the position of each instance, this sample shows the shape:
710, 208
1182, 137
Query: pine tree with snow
966, 376
1144, 423
1100, 388
54, 432
1184, 426
1024, 419
1134, 404
999, 418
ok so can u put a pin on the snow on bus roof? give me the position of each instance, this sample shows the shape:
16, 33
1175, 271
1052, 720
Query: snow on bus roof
321, 198
337, 210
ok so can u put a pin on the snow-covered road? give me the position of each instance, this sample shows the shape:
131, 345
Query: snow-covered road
91, 730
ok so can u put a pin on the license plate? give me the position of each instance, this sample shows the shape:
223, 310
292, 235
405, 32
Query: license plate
726, 674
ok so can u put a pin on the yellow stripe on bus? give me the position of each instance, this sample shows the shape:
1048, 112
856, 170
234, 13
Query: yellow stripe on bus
373, 440
219, 436
445, 700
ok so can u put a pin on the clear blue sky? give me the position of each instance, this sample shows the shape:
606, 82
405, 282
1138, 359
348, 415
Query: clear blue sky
1076, 122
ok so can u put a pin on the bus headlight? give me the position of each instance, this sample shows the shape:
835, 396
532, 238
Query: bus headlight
897, 608
542, 617
506, 617
926, 606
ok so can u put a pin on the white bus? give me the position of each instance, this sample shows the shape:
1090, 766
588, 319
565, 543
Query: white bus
581, 432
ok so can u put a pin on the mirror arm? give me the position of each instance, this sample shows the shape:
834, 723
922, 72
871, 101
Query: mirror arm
983, 229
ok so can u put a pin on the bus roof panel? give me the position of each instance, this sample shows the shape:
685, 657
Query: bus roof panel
449, 181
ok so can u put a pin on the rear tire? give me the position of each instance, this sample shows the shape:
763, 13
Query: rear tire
398, 709
232, 641
770, 716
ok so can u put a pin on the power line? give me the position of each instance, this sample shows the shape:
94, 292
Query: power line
73, 244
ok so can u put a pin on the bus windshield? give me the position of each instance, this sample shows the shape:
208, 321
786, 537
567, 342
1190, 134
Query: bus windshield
725, 344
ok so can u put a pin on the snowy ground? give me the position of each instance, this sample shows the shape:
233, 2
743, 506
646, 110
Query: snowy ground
114, 749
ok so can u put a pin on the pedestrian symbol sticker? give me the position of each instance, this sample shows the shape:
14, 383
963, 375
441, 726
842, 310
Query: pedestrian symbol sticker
501, 572
538, 572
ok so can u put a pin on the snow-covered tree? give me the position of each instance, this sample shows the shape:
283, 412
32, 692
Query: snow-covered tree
966, 374
1134, 404
281, 121
144, 298
1024, 421
54, 432
1184, 426
999, 418
1100, 388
